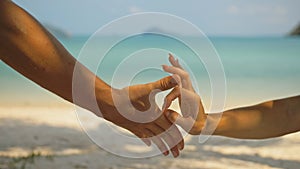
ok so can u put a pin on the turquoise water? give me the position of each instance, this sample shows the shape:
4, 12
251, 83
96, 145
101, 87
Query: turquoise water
256, 69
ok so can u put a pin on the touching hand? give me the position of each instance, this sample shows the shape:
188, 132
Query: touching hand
134, 109
193, 117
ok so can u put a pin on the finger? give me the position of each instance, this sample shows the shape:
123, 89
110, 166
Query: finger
185, 78
161, 133
175, 151
185, 123
163, 84
171, 142
177, 79
158, 142
173, 131
143, 136
174, 61
170, 97
175, 70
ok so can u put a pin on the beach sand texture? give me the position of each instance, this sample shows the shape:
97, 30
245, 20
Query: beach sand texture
51, 137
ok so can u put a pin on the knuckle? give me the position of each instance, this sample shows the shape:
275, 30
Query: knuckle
197, 98
173, 116
168, 98
163, 84
176, 89
196, 129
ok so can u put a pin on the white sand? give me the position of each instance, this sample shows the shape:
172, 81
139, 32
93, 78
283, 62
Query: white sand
56, 132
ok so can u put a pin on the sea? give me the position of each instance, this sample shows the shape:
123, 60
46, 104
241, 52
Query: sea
255, 69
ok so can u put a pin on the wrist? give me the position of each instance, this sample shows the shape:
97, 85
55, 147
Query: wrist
214, 124
104, 98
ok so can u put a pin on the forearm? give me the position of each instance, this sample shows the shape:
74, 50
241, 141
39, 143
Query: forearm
31, 50
266, 120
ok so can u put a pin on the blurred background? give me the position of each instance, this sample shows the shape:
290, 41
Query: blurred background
259, 46
229, 18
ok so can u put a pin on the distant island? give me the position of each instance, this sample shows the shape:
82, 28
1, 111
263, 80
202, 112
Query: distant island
296, 31
60, 33
156, 30
161, 31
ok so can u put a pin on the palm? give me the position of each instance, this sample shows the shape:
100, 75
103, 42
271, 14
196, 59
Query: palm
134, 108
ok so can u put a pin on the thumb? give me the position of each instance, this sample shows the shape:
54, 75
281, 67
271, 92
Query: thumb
164, 83
174, 117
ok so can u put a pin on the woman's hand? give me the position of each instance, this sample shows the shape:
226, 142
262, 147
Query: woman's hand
193, 117
134, 109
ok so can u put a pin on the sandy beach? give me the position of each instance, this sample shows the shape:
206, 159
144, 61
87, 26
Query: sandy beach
51, 137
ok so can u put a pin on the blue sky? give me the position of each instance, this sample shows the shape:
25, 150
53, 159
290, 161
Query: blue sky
217, 18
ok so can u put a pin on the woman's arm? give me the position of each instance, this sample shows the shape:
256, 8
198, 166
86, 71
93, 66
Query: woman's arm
32, 51
265, 120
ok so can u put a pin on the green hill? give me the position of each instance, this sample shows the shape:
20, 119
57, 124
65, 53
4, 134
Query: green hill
296, 31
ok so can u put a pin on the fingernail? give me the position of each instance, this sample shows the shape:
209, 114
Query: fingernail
180, 147
174, 153
148, 144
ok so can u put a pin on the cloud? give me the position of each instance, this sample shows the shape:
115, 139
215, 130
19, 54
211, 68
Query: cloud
134, 9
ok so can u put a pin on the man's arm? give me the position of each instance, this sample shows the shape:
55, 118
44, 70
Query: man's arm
32, 51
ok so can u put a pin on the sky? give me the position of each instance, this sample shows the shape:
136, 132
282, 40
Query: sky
214, 18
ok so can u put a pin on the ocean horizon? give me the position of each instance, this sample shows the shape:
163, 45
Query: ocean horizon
256, 69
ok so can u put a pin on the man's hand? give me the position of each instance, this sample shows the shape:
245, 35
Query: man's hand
134, 109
